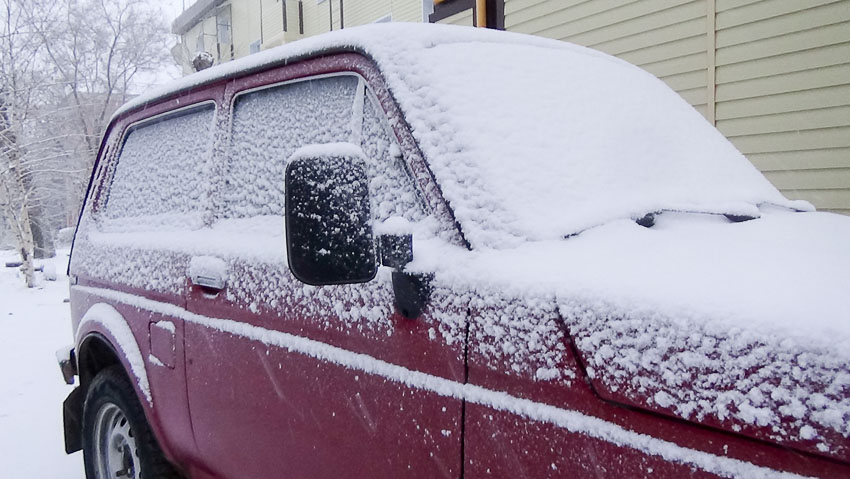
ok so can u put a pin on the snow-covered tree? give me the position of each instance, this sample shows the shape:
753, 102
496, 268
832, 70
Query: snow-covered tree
65, 66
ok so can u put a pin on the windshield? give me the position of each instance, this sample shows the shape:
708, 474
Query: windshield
534, 143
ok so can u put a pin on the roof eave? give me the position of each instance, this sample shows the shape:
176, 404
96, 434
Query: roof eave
192, 15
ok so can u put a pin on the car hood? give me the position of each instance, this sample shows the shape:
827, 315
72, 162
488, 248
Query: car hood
743, 326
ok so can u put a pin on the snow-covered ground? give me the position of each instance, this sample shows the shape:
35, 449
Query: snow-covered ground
34, 323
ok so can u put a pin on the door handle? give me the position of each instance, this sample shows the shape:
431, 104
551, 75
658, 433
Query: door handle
208, 272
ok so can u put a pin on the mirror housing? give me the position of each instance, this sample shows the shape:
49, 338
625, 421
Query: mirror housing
328, 220
411, 290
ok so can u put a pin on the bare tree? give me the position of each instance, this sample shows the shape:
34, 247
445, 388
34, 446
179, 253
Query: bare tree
66, 66
20, 79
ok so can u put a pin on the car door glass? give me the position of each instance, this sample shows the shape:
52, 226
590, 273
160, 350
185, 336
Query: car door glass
162, 178
268, 126
391, 187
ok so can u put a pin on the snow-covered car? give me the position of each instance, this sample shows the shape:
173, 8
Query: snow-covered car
428, 251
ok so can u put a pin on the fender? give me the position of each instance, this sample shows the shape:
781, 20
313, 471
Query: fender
104, 318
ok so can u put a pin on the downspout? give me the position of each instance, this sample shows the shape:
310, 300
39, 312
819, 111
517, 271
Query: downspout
481, 13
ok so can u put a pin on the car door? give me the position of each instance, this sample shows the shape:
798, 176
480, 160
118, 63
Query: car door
134, 245
287, 379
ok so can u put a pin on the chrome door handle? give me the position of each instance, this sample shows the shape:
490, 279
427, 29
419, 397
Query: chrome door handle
208, 272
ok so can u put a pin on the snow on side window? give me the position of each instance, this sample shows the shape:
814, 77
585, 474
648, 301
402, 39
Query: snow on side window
162, 175
268, 126
392, 190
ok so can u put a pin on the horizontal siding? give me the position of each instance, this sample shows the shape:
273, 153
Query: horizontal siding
785, 102
794, 42
649, 38
687, 81
802, 160
787, 63
831, 200
630, 19
728, 17
679, 48
272, 18
360, 13
836, 137
836, 75
784, 24
785, 121
675, 66
782, 75
667, 37
406, 11
811, 180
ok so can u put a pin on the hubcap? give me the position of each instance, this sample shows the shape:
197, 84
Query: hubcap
115, 453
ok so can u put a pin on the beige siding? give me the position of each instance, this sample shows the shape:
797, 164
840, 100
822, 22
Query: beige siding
667, 38
246, 25
783, 93
773, 74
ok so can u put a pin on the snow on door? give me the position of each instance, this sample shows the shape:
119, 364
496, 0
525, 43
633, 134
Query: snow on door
306, 381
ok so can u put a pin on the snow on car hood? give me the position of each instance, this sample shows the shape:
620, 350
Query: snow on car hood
744, 326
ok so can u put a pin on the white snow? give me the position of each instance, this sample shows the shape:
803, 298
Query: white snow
743, 313
35, 323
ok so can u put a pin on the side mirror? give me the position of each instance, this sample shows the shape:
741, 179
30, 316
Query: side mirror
411, 290
328, 230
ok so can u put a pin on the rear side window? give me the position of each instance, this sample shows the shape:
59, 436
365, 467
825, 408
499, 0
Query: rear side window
162, 175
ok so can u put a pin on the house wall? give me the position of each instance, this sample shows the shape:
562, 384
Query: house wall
772, 75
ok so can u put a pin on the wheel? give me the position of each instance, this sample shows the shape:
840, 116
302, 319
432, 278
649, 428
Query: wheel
117, 441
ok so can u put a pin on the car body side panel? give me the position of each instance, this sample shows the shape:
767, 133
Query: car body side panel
502, 440
167, 410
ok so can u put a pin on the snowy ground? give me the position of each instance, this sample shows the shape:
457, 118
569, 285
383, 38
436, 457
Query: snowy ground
34, 323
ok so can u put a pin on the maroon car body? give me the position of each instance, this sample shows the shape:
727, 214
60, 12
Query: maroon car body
332, 381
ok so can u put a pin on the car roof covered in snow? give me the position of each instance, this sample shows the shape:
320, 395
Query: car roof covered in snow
549, 138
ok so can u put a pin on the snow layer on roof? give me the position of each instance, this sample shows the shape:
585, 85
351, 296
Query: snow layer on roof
533, 139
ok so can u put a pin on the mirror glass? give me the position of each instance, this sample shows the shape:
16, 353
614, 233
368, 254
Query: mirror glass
328, 229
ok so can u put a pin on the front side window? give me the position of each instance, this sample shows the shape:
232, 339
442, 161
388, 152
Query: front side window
269, 125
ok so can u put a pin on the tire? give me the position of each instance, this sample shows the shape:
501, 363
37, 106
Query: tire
117, 441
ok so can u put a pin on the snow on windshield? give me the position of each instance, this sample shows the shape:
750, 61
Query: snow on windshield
550, 142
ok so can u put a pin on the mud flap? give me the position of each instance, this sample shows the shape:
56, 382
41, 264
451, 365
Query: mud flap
72, 415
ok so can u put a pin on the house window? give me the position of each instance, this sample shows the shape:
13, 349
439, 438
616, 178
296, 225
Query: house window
223, 27
384, 19
255, 47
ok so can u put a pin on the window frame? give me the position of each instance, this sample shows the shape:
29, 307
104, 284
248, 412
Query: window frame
369, 93
106, 177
